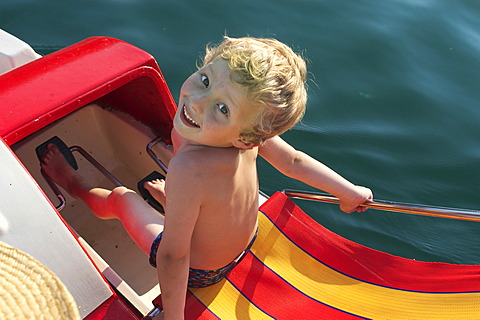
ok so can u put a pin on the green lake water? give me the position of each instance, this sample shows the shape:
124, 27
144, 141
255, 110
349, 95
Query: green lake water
394, 95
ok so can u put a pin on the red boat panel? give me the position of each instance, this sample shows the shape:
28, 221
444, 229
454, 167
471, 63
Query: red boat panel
105, 69
113, 308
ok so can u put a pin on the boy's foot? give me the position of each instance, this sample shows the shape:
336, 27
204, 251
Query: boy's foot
157, 190
57, 168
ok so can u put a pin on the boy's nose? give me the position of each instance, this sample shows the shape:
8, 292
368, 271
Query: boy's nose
197, 103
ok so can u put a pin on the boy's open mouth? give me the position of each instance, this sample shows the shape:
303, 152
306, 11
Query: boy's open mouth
189, 118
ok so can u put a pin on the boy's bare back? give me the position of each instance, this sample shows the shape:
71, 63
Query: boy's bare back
218, 188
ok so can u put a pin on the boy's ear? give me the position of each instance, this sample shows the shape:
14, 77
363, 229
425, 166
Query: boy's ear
242, 144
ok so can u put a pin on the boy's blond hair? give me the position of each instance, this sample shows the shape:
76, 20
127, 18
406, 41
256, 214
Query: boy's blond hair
273, 75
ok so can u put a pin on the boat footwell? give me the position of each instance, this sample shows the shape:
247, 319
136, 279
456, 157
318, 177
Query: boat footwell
118, 142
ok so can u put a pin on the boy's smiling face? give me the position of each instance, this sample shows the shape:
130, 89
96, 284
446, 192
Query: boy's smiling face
212, 109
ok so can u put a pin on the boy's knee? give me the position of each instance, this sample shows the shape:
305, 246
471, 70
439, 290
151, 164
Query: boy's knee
119, 195
120, 191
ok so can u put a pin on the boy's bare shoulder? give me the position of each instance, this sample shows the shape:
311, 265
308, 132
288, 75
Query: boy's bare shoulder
204, 159
198, 172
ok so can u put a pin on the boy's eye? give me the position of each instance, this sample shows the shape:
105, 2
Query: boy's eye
223, 109
205, 80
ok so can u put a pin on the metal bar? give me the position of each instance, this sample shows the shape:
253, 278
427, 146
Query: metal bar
452, 213
55, 190
154, 156
97, 165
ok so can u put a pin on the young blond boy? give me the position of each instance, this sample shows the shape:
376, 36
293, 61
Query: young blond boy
231, 110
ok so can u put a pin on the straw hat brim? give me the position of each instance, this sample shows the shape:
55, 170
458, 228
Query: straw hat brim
29, 290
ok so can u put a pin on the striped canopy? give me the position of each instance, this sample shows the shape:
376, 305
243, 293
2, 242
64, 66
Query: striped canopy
297, 269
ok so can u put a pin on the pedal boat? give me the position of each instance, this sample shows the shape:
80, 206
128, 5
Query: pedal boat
108, 101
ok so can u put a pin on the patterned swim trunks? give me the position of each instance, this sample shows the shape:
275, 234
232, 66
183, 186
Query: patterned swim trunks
198, 278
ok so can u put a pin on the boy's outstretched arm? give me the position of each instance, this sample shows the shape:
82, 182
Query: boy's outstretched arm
302, 167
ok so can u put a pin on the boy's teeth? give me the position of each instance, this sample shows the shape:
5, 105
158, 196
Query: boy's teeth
188, 117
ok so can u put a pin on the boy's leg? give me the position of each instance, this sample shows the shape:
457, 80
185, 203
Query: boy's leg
141, 221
